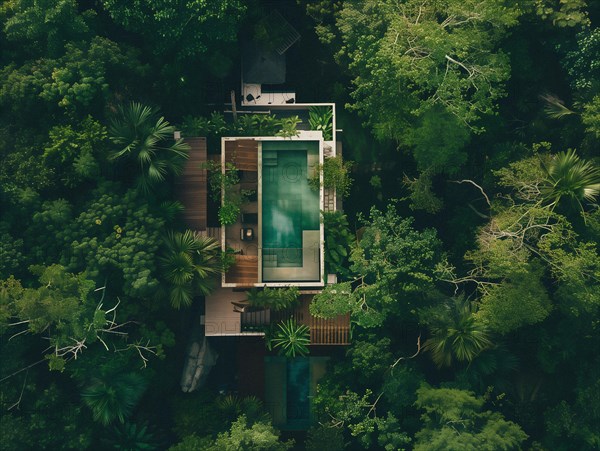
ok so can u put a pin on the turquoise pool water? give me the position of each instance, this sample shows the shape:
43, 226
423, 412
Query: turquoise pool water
289, 204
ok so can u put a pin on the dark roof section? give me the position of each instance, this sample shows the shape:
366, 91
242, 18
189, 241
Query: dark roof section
263, 61
262, 66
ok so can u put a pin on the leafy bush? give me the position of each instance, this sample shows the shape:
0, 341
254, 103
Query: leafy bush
245, 125
335, 175
337, 242
229, 213
320, 118
274, 298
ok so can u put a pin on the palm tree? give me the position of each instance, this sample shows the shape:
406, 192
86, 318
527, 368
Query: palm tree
114, 398
456, 335
568, 176
147, 140
189, 262
292, 338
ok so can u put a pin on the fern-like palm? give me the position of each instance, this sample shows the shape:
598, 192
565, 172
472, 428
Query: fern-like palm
570, 177
456, 336
189, 263
292, 338
148, 141
114, 398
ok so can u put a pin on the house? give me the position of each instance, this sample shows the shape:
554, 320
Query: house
276, 241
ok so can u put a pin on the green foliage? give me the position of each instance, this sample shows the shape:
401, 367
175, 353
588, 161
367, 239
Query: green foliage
333, 300
23, 173
256, 125
422, 196
566, 13
391, 277
516, 302
192, 443
232, 406
75, 154
337, 242
11, 254
571, 178
116, 234
76, 82
289, 127
353, 410
147, 144
48, 420
229, 212
274, 298
370, 358
323, 437
44, 26
224, 188
246, 125
113, 398
590, 116
320, 118
438, 141
192, 28
196, 413
189, 264
456, 335
575, 424
400, 387
259, 436
441, 54
395, 264
292, 339
455, 420
131, 436
62, 306
335, 176
581, 63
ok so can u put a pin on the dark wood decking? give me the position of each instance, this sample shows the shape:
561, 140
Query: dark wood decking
191, 186
244, 272
334, 331
243, 153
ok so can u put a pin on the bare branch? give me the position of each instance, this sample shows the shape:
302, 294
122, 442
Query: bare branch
487, 199
411, 357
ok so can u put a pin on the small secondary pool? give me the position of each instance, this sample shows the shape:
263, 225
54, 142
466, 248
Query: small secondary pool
290, 207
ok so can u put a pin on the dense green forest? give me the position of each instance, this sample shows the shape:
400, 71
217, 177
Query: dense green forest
468, 256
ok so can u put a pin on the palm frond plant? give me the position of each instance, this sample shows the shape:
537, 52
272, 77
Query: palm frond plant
132, 436
320, 118
146, 140
289, 126
113, 398
555, 108
569, 177
291, 338
189, 263
456, 336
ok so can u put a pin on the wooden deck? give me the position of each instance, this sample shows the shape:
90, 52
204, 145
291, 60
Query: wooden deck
191, 186
243, 153
334, 331
244, 272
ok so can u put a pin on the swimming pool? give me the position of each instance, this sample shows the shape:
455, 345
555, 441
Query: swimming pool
290, 207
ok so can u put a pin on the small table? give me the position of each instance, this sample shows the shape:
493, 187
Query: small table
247, 234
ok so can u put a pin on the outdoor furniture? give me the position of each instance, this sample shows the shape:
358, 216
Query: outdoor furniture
246, 234
244, 307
